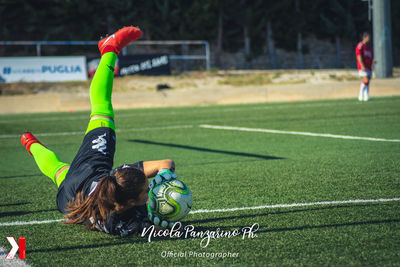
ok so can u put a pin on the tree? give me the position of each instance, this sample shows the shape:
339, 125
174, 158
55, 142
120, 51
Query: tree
331, 19
300, 25
248, 25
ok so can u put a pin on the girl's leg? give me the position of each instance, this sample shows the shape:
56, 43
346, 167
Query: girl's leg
363, 87
102, 114
47, 160
366, 90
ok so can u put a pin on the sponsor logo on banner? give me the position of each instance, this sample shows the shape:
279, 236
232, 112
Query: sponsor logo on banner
46, 69
155, 64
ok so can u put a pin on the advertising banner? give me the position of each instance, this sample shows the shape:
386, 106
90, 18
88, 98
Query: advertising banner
42, 69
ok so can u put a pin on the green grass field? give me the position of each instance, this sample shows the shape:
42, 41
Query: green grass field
227, 169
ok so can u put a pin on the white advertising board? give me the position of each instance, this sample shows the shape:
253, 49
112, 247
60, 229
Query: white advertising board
42, 69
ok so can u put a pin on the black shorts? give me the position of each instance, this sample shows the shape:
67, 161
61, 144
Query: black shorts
93, 161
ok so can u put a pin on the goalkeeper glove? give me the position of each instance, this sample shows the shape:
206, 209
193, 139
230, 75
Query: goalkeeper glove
162, 176
158, 222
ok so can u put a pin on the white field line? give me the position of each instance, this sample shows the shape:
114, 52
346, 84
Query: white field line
16, 223
11, 263
321, 203
297, 133
209, 108
275, 206
117, 130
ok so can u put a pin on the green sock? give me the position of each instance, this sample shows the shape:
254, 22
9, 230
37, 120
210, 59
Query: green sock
48, 162
61, 176
97, 122
101, 86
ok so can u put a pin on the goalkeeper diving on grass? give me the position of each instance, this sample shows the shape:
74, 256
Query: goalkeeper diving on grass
90, 191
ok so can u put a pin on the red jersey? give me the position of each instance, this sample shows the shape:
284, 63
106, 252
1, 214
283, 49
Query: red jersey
366, 54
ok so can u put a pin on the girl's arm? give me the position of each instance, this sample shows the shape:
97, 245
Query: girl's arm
359, 58
151, 168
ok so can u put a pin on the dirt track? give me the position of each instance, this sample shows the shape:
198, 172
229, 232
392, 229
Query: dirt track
191, 91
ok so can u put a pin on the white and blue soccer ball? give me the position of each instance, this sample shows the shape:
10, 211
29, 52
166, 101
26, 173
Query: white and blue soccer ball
170, 200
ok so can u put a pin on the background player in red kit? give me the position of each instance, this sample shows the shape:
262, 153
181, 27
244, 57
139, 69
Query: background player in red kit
364, 63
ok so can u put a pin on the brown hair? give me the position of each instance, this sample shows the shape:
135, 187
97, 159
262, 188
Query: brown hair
365, 34
112, 195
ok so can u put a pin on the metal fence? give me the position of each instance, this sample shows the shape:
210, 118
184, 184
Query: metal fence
205, 56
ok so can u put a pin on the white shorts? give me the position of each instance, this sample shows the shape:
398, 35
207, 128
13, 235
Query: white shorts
363, 73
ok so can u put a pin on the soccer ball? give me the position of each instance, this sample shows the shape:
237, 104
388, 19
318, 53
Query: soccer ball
170, 200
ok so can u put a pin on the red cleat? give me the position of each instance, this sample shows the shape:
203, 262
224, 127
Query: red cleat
117, 41
27, 139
